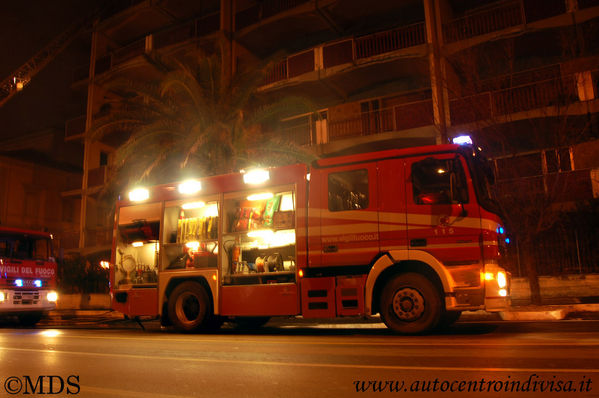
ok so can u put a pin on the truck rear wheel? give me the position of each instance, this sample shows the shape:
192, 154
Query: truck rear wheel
410, 304
189, 307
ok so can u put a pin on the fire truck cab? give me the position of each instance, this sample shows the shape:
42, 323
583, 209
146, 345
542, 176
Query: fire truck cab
27, 274
410, 234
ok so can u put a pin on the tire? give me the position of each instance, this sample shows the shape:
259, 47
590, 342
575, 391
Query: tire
30, 319
251, 322
189, 308
410, 304
449, 318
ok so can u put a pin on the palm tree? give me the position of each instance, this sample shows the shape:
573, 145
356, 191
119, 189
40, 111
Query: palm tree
190, 118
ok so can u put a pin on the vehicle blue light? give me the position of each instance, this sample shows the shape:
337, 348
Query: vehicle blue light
501, 230
37, 283
19, 282
507, 240
462, 140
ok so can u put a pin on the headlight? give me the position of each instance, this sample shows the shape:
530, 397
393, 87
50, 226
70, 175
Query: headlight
2, 298
52, 297
501, 280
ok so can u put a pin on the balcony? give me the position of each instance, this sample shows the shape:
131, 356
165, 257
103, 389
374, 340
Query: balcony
97, 177
172, 36
558, 187
75, 128
347, 51
400, 117
499, 16
263, 10
530, 90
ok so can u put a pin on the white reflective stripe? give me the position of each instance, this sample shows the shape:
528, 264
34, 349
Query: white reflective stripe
392, 227
368, 249
392, 217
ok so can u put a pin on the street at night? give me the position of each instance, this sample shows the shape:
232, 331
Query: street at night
299, 198
291, 360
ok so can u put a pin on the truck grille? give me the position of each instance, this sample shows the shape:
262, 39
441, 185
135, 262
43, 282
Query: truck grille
26, 298
27, 283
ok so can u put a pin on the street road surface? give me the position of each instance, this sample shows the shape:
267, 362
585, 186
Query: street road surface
539, 359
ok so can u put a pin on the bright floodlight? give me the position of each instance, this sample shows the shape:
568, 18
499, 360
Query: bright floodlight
257, 176
462, 140
190, 187
139, 194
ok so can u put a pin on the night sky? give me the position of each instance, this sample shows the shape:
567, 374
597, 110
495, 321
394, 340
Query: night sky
27, 26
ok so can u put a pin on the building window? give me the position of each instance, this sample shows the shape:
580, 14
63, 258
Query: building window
348, 190
103, 159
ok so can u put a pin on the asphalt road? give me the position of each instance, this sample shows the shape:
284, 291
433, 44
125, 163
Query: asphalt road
558, 358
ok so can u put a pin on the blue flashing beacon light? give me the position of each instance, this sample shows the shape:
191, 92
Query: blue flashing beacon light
462, 140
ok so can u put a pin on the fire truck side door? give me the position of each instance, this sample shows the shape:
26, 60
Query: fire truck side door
392, 205
349, 215
442, 214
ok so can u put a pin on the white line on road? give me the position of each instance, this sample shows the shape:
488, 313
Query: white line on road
304, 365
408, 341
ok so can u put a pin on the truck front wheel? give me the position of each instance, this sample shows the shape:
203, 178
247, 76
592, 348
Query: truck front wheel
189, 307
410, 304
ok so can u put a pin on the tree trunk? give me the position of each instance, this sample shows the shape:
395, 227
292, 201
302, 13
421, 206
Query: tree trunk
531, 272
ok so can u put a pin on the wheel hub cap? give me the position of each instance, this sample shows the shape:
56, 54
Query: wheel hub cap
188, 307
408, 304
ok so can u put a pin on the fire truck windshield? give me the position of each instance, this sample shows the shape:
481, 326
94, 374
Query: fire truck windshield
483, 179
25, 247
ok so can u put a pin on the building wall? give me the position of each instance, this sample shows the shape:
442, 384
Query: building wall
30, 197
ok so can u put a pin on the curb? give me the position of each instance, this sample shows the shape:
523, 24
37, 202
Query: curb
524, 313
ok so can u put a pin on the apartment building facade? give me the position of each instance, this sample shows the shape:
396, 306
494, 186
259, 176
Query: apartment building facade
402, 73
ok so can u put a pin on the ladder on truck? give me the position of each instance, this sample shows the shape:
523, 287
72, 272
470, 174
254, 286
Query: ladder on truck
17, 80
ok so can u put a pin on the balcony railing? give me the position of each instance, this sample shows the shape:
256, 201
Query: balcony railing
96, 177
396, 118
558, 187
75, 127
177, 34
263, 10
501, 16
349, 50
582, 4
530, 94
300, 133
391, 40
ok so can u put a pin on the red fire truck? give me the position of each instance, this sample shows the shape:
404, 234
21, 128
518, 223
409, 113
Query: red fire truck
411, 234
27, 274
